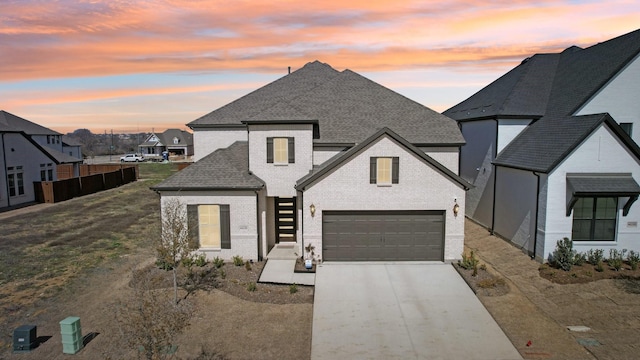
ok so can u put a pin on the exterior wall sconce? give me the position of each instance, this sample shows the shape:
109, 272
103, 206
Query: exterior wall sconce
456, 208
312, 209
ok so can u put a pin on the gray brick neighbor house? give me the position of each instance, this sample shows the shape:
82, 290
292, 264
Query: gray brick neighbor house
328, 158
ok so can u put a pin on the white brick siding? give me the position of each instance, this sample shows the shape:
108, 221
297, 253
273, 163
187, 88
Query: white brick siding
280, 179
243, 214
206, 141
420, 187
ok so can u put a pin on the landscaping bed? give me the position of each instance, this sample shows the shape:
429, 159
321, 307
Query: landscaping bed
482, 280
586, 273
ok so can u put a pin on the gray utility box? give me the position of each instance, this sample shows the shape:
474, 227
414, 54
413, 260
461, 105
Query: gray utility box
71, 335
25, 338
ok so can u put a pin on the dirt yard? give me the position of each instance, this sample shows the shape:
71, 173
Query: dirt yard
77, 258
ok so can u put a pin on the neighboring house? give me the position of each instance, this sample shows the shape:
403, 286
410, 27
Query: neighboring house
329, 159
551, 151
28, 153
174, 141
71, 147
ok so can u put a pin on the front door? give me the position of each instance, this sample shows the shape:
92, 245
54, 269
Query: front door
285, 210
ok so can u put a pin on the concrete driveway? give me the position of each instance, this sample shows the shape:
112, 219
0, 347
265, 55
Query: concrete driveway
401, 311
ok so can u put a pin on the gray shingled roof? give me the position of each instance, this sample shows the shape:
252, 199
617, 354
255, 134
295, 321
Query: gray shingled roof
522, 92
60, 157
551, 84
549, 140
224, 169
13, 123
348, 107
283, 89
167, 136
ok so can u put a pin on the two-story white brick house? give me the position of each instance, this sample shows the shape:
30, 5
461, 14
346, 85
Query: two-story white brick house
326, 158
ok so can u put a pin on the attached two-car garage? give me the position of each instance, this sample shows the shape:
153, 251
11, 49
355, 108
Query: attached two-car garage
383, 235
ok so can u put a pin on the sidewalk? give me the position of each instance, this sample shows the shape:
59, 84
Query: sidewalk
539, 311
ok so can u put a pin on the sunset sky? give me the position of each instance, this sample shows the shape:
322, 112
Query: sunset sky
140, 65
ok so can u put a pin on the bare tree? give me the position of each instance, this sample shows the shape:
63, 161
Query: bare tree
149, 320
176, 243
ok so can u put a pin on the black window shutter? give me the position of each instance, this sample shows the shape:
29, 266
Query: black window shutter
373, 170
269, 150
193, 223
395, 170
225, 227
292, 150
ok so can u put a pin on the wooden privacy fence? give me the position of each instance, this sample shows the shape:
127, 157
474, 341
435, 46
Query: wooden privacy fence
65, 171
61, 190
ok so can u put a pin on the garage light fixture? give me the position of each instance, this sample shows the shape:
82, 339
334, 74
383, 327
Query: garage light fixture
456, 208
312, 209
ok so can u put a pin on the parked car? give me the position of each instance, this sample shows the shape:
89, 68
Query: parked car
132, 158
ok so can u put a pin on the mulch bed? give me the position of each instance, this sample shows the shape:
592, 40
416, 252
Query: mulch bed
484, 283
236, 280
586, 273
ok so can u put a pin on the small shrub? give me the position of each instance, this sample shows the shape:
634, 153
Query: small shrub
251, 287
579, 259
200, 260
564, 254
589, 273
247, 265
164, 265
468, 262
616, 258
238, 261
223, 274
599, 266
217, 262
491, 283
633, 259
595, 256
483, 267
187, 261
574, 275
293, 288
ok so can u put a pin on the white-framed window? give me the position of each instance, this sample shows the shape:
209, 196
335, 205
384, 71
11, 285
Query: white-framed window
594, 219
176, 140
384, 170
46, 172
281, 150
15, 180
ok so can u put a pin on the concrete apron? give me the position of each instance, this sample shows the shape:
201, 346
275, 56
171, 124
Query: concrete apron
401, 311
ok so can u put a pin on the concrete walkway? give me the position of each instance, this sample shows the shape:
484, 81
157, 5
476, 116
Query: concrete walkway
401, 311
279, 269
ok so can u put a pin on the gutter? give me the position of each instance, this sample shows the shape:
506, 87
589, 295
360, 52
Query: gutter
495, 179
535, 223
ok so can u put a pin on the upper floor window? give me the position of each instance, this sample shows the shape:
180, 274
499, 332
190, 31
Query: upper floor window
627, 127
281, 150
594, 219
384, 170
176, 140
46, 172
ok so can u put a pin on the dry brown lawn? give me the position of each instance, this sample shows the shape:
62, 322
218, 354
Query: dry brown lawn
77, 258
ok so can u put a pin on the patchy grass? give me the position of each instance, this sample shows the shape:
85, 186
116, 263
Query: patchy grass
42, 251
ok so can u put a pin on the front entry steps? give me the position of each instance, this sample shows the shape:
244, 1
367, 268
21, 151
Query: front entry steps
280, 266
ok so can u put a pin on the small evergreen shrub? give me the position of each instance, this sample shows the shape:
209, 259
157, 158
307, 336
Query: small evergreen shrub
616, 258
600, 266
633, 259
217, 262
164, 265
579, 259
563, 256
247, 265
293, 288
595, 256
223, 274
200, 260
238, 261
251, 287
468, 262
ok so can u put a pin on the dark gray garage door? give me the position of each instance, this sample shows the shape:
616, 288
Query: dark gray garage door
382, 235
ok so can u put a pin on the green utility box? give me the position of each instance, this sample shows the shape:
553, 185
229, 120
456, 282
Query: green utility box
71, 335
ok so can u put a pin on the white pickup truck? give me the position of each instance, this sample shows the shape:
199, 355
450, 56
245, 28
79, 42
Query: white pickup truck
132, 158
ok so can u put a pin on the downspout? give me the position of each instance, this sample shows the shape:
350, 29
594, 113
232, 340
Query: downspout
495, 180
301, 223
4, 161
535, 229
259, 228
